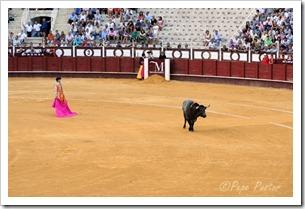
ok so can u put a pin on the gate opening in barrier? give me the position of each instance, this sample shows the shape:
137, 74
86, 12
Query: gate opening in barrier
157, 66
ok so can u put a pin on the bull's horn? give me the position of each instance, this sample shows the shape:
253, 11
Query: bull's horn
209, 105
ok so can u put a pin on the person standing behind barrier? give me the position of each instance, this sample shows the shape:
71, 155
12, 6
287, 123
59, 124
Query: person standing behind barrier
265, 60
16, 41
50, 38
207, 38
155, 29
271, 61
22, 36
140, 74
36, 29
217, 38
160, 23
29, 28
45, 26
11, 39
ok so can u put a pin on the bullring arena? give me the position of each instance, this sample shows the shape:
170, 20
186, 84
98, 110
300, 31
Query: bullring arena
128, 140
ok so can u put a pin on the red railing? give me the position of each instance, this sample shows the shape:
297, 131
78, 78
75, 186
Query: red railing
201, 64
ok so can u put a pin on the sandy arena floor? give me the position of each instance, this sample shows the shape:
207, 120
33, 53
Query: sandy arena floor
128, 140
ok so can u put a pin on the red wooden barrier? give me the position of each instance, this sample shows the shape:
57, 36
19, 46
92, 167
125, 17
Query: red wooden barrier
112, 64
264, 71
24, 64
279, 72
38, 63
251, 70
237, 69
209, 67
98, 64
224, 68
83, 63
53, 64
127, 64
195, 67
12, 63
180, 66
68, 64
289, 72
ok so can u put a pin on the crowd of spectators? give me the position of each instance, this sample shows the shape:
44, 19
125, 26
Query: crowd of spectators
91, 27
30, 29
269, 29
17, 39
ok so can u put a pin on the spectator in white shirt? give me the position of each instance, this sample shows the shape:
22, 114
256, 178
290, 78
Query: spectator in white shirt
89, 27
83, 16
29, 28
117, 22
16, 41
73, 29
280, 21
22, 36
11, 38
91, 37
111, 23
97, 17
36, 31
155, 32
69, 38
63, 43
287, 13
87, 33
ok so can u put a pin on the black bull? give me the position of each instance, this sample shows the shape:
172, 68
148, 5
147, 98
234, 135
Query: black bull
191, 112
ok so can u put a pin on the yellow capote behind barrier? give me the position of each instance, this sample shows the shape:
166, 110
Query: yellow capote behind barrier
140, 73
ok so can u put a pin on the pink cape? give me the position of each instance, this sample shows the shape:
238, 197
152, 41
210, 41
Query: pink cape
62, 109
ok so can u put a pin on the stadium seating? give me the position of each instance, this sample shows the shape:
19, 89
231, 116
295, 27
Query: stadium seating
187, 25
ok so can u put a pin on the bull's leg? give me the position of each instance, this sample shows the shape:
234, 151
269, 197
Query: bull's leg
191, 128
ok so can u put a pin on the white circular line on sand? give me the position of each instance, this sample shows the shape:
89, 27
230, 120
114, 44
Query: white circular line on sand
229, 114
280, 125
170, 106
262, 107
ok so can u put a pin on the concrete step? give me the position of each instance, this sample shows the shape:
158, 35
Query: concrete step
35, 40
62, 19
15, 26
